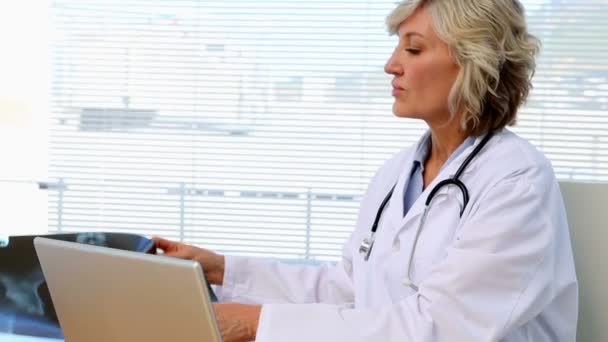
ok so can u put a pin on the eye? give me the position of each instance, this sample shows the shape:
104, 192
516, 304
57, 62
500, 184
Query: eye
414, 52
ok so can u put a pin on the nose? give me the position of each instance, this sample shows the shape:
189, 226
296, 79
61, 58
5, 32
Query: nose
393, 66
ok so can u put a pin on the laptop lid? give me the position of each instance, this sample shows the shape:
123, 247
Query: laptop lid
104, 294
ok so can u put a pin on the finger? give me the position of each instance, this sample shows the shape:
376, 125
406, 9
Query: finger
163, 244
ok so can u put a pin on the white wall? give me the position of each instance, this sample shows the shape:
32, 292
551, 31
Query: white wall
24, 88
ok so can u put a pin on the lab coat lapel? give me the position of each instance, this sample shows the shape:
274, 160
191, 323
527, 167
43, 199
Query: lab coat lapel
417, 208
394, 210
415, 212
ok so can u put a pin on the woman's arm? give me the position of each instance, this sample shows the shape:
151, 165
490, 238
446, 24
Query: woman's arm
510, 262
257, 281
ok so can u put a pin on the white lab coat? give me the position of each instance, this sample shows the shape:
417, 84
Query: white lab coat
502, 272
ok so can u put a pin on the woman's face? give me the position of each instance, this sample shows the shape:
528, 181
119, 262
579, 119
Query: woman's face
423, 71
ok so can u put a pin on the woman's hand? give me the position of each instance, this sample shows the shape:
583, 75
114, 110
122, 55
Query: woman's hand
237, 322
212, 263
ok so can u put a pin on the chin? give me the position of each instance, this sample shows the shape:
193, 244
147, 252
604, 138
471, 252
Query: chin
402, 111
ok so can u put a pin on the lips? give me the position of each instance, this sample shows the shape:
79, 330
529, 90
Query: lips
396, 86
397, 90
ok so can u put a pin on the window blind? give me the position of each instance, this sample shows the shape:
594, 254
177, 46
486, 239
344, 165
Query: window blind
253, 127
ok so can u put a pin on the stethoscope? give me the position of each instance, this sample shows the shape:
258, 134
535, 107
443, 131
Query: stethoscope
367, 244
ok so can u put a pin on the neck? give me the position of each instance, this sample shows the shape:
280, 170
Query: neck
444, 141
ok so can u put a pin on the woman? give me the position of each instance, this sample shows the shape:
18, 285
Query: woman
497, 267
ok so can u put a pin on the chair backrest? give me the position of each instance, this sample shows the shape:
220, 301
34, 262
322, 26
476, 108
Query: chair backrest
587, 209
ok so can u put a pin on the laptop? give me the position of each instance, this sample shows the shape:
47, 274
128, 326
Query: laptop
103, 294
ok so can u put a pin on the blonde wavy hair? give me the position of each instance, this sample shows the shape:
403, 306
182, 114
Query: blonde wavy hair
497, 56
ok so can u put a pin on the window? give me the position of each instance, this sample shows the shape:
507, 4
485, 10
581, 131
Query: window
253, 127
24, 98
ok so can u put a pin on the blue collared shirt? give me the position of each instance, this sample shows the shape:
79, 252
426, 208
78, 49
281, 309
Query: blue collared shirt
415, 186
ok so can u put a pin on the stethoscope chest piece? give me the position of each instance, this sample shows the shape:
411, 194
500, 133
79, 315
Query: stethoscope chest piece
366, 247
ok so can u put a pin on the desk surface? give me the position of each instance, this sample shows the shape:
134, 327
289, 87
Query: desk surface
21, 338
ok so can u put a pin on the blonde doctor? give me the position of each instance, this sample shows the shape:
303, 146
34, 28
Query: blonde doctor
462, 237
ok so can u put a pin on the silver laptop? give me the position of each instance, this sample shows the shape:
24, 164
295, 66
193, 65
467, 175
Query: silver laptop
102, 294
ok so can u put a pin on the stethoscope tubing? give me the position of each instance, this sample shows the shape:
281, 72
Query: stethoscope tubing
367, 244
